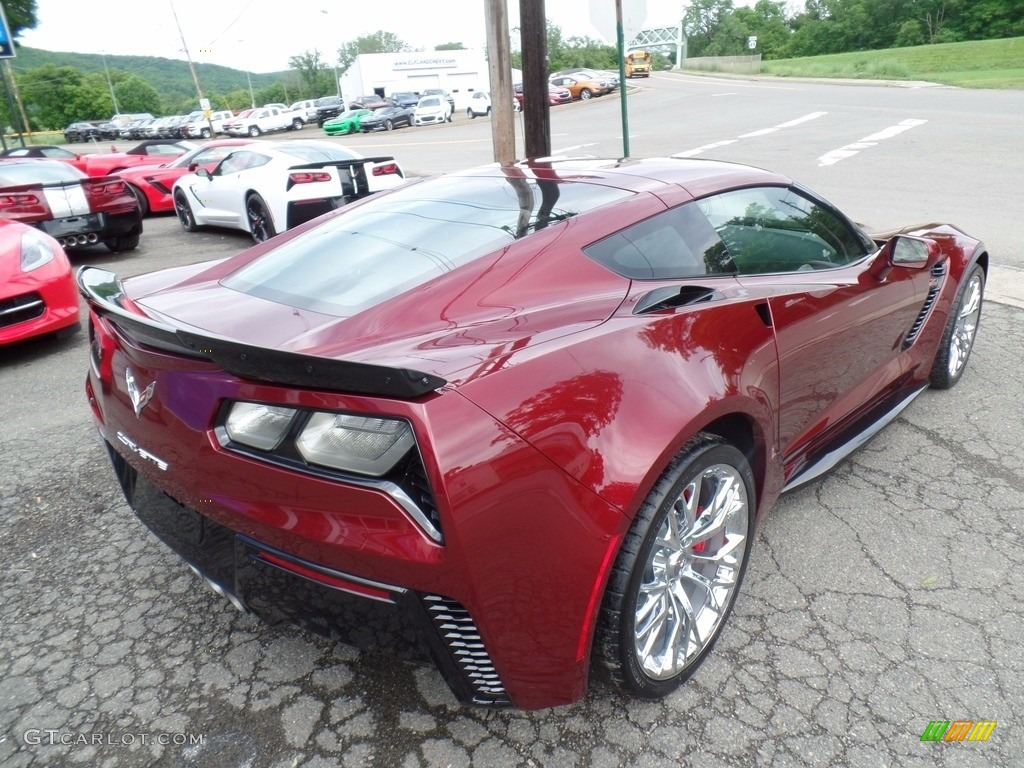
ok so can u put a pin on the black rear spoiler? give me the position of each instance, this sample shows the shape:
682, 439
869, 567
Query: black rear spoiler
105, 295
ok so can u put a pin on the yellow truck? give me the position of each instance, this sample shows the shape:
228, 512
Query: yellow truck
638, 64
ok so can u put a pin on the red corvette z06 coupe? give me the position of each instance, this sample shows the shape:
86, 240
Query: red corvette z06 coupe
535, 412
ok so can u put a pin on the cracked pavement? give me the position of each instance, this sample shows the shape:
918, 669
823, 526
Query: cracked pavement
880, 598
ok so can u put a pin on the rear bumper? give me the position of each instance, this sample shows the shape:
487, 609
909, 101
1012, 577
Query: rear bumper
279, 587
93, 227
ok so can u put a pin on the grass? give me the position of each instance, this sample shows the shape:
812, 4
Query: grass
975, 64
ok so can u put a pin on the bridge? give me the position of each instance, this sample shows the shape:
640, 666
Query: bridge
661, 38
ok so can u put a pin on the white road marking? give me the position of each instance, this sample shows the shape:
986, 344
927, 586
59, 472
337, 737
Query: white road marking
761, 132
833, 157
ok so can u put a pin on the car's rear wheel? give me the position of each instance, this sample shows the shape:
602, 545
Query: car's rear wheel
961, 330
261, 226
585, 94
125, 243
254, 131
184, 212
679, 570
297, 124
141, 197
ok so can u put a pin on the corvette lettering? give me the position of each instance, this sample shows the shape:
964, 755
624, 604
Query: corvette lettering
142, 453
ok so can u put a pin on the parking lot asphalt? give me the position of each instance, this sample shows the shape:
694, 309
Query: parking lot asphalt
886, 596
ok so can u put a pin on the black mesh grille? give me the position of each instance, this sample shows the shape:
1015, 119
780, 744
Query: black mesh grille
21, 308
459, 634
938, 272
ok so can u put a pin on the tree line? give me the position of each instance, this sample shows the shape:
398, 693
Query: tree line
70, 87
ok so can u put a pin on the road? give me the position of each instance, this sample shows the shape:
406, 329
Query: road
883, 597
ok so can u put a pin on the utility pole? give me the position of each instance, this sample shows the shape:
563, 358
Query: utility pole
536, 114
192, 69
499, 65
110, 85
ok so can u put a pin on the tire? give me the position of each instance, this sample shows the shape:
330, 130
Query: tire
261, 226
205, 133
682, 562
470, 113
254, 131
184, 211
141, 197
448, 118
125, 243
585, 94
297, 124
960, 332
388, 125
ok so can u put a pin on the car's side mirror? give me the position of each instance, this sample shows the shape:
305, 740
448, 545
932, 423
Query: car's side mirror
907, 252
192, 167
203, 173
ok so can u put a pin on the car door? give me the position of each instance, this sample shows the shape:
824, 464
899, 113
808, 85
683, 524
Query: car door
839, 321
222, 193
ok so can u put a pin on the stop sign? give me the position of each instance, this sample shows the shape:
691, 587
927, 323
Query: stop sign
602, 16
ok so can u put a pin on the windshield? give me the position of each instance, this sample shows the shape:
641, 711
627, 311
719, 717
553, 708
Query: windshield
409, 237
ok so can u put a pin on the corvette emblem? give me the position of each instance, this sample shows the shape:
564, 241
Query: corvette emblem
139, 399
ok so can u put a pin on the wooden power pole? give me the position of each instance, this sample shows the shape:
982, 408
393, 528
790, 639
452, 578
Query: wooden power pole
499, 64
534, 45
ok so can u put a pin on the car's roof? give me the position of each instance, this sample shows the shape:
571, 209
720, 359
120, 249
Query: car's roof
697, 176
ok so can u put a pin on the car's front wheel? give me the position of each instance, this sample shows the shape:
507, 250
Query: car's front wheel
470, 113
297, 124
585, 94
184, 212
960, 332
254, 131
260, 224
205, 133
678, 570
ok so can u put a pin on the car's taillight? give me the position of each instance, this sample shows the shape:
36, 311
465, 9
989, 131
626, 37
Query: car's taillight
17, 205
103, 188
308, 177
386, 169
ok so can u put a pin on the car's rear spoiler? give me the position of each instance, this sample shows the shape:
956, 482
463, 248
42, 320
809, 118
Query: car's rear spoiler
356, 168
105, 295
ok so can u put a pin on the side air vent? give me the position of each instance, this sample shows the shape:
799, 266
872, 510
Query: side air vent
414, 482
938, 273
462, 639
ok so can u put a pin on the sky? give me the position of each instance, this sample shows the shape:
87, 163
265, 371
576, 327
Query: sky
260, 35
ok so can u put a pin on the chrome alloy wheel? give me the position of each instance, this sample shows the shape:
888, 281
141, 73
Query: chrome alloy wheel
966, 326
692, 572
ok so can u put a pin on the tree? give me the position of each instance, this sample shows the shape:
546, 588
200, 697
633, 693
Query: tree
21, 15
450, 47
701, 22
379, 42
136, 95
49, 93
313, 71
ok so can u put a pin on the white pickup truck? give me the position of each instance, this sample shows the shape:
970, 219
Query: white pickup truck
254, 122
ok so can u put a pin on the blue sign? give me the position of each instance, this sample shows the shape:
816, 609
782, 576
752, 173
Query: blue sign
6, 41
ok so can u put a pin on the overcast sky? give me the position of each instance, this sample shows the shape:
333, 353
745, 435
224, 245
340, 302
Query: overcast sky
260, 35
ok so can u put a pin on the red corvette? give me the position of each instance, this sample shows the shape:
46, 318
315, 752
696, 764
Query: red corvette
37, 290
152, 183
147, 153
534, 413
65, 203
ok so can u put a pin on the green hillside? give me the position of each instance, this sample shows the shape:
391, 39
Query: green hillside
170, 77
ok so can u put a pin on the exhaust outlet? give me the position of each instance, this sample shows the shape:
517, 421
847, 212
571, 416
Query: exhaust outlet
82, 240
93, 237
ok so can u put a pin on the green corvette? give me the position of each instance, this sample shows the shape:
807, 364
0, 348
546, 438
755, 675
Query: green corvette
346, 122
